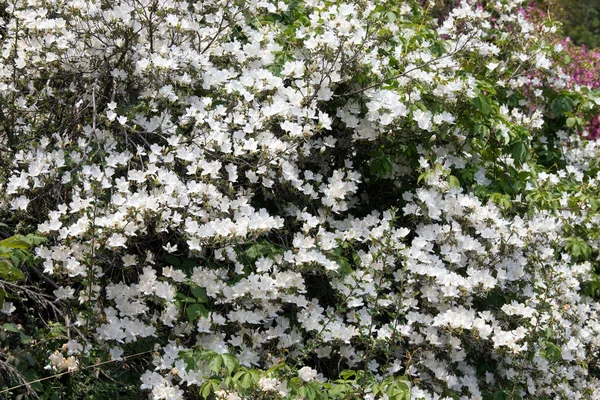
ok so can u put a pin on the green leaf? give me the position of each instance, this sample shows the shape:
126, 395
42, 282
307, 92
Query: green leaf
188, 264
453, 182
174, 261
205, 389
578, 248
216, 363
520, 152
11, 328
338, 390
482, 103
344, 265
9, 272
481, 130
502, 200
25, 339
307, 392
380, 167
552, 352
347, 374
193, 311
32, 376
256, 250
230, 362
246, 380
191, 359
501, 395
15, 242
238, 375
34, 240
423, 176
562, 105
199, 293
486, 86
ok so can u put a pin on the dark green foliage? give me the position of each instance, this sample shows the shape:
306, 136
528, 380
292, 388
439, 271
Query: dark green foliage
581, 21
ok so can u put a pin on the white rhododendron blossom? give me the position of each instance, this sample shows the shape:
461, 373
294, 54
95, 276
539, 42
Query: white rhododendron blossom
286, 193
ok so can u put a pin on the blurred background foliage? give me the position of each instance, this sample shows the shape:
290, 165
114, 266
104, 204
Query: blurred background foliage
581, 20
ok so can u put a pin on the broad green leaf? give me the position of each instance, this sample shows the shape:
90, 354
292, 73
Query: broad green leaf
482, 103
199, 293
230, 362
501, 395
174, 261
190, 358
34, 240
238, 375
246, 380
11, 328
481, 130
562, 105
423, 176
347, 374
520, 152
15, 242
338, 390
256, 250
216, 363
553, 352
380, 167
188, 264
453, 182
486, 86
344, 265
205, 389
195, 310
9, 272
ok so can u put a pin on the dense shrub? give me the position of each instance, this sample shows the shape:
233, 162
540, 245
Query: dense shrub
303, 199
581, 20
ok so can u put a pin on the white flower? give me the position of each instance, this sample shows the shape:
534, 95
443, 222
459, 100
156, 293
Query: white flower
268, 384
423, 119
175, 274
116, 240
64, 293
20, 203
8, 308
170, 248
116, 353
129, 260
307, 374
492, 65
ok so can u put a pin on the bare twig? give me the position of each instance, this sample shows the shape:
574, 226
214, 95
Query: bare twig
72, 371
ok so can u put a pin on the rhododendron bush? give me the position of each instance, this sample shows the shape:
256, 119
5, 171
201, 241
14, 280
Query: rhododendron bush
295, 199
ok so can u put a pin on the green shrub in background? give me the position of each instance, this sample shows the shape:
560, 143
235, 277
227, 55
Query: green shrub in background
580, 19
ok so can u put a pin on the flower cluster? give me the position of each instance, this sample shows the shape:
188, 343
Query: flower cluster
269, 194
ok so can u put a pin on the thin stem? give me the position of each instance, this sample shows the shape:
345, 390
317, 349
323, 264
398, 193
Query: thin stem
75, 370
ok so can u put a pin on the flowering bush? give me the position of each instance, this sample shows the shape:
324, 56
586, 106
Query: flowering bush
304, 199
584, 70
